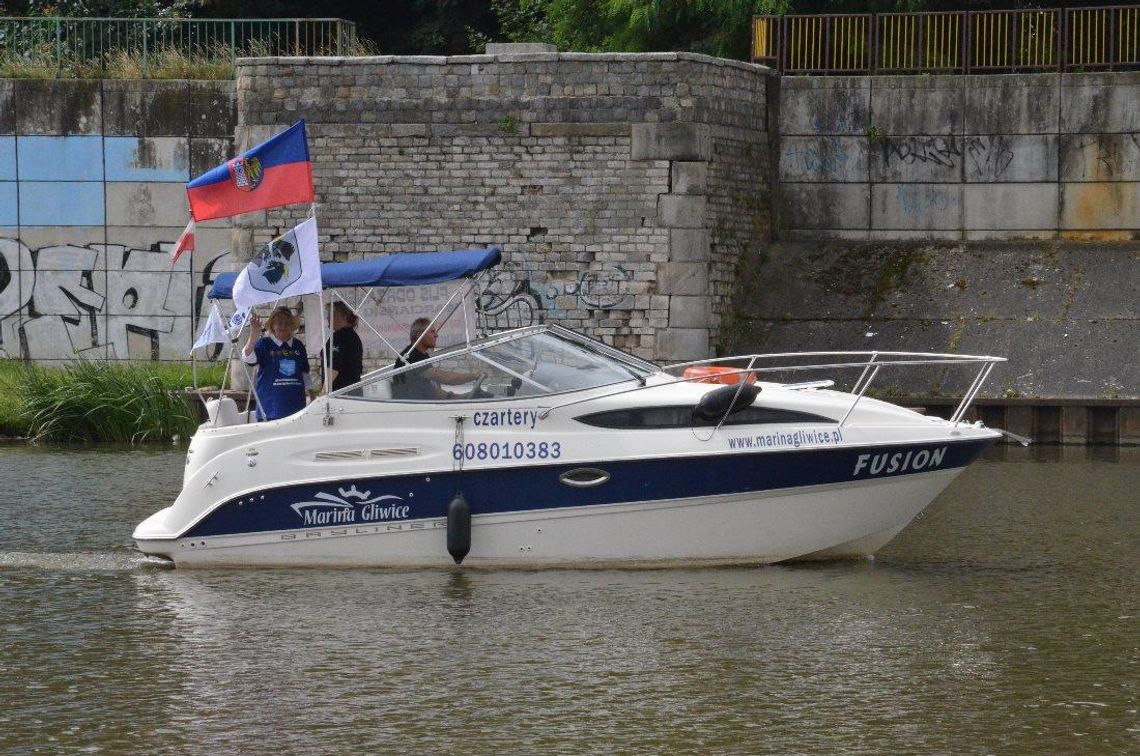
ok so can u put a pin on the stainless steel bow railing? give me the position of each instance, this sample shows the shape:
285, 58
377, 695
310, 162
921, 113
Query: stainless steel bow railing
871, 363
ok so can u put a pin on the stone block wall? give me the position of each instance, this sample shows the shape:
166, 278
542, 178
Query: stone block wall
1066, 315
92, 197
624, 189
1027, 156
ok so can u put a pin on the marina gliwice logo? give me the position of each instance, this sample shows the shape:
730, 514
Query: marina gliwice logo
277, 265
246, 173
351, 505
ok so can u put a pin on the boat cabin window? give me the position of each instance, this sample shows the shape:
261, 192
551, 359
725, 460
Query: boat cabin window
532, 362
682, 417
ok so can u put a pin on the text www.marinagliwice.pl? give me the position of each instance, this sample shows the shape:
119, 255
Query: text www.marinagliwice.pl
794, 439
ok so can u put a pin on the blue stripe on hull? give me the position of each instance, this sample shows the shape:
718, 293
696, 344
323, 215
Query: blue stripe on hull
518, 489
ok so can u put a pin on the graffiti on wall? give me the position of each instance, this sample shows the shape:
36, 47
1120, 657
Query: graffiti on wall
922, 200
931, 150
1104, 157
990, 156
508, 301
828, 157
605, 289
516, 294
987, 157
96, 301
111, 301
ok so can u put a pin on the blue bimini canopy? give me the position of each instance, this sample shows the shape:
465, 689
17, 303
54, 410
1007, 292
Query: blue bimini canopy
400, 269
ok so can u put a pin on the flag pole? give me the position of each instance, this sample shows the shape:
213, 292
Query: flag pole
326, 354
222, 389
249, 378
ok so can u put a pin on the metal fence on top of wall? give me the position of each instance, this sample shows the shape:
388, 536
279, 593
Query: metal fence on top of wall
1057, 39
67, 43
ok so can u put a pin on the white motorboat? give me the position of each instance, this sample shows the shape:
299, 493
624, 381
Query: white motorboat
568, 452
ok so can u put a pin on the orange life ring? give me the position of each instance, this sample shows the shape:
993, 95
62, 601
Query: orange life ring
714, 374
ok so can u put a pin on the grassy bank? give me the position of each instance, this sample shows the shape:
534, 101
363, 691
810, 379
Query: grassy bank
98, 401
120, 65
214, 62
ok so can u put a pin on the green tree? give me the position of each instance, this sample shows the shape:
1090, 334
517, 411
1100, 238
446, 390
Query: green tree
102, 8
715, 27
395, 27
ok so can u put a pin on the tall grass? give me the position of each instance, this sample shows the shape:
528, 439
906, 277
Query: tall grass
98, 401
213, 62
121, 64
12, 422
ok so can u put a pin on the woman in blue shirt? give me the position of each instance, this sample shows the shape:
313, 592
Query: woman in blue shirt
282, 365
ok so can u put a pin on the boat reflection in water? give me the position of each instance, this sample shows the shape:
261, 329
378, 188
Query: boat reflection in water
565, 451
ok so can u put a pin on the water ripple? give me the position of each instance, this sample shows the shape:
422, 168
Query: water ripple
1004, 621
80, 562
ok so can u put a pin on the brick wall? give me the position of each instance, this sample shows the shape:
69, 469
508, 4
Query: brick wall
623, 188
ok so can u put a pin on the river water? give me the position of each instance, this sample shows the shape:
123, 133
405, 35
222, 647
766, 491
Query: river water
1004, 620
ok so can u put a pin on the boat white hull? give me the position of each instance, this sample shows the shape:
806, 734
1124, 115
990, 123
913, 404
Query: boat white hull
833, 521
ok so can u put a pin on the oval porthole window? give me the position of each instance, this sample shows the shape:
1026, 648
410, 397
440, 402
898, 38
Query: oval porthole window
584, 477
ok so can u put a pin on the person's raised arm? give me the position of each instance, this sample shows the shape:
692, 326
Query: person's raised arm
247, 354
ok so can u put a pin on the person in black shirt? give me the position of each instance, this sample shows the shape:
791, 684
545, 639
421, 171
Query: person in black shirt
347, 358
424, 383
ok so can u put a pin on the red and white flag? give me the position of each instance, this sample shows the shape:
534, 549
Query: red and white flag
185, 243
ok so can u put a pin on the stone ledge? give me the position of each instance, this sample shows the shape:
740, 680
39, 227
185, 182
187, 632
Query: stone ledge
410, 130
515, 129
566, 129
519, 48
659, 57
671, 140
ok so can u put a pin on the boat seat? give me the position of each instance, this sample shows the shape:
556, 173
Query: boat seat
222, 412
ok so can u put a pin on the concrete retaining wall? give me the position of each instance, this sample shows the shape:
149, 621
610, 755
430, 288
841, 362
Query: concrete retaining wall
1065, 315
965, 214
1027, 156
92, 196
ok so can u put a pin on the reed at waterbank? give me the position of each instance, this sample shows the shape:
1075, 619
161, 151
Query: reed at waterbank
99, 401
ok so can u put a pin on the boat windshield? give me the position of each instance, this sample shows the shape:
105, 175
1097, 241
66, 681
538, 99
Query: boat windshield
534, 361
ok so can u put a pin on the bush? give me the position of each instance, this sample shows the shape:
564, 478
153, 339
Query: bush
98, 401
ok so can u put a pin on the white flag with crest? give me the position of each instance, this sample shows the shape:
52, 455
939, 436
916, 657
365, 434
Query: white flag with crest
237, 322
285, 267
213, 332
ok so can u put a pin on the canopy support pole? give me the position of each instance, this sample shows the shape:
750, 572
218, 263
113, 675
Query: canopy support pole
461, 292
370, 327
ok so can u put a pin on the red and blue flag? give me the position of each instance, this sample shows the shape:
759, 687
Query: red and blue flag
274, 173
